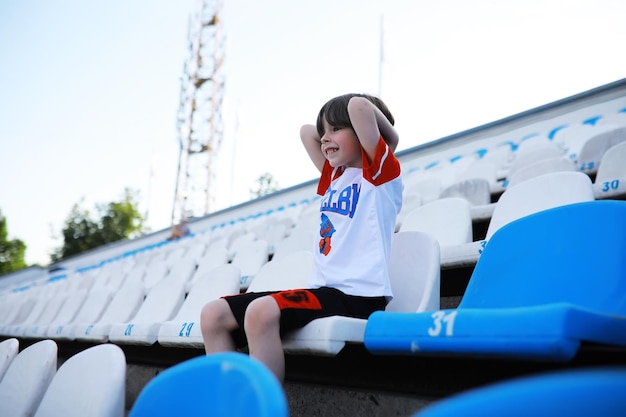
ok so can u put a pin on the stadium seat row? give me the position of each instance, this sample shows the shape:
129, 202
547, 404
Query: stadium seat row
92, 382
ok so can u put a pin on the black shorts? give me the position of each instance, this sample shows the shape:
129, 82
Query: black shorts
301, 306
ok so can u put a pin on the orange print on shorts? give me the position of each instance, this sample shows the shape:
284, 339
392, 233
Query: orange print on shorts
302, 299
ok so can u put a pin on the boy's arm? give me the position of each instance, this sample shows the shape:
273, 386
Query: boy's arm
313, 145
369, 123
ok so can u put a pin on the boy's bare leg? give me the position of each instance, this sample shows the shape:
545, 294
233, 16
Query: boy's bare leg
217, 322
262, 326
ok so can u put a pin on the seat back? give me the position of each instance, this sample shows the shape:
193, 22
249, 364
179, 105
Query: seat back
299, 239
124, 304
540, 193
161, 303
215, 255
94, 306
222, 384
90, 383
27, 379
448, 220
290, 272
574, 253
184, 328
612, 167
597, 392
70, 307
540, 167
221, 280
475, 190
591, 153
429, 187
183, 270
240, 241
8, 352
249, 259
157, 269
414, 272
525, 156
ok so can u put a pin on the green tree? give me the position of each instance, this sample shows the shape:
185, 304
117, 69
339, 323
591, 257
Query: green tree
11, 251
116, 221
265, 184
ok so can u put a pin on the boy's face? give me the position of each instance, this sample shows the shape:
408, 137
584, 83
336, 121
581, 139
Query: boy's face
341, 146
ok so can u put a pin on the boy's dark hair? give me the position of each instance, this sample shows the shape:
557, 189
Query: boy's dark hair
335, 111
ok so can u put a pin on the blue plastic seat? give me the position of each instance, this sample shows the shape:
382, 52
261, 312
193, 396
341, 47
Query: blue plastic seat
221, 384
597, 392
544, 284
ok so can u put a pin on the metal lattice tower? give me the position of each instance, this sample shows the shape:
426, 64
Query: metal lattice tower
199, 124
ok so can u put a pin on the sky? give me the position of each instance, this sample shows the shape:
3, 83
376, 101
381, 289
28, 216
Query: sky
89, 91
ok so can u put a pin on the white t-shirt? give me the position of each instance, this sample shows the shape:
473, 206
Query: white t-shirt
358, 213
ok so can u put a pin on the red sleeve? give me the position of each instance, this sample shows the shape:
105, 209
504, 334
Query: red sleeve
385, 166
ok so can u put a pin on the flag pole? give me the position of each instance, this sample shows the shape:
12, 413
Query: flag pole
381, 57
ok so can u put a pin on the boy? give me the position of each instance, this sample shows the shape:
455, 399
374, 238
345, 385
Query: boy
352, 146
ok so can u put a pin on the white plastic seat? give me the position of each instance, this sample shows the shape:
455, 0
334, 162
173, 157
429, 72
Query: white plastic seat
105, 272
483, 169
593, 149
214, 256
160, 305
526, 156
135, 273
535, 141
610, 180
299, 239
239, 242
8, 352
617, 118
81, 281
95, 303
448, 220
494, 164
19, 307
194, 251
39, 328
429, 187
273, 233
249, 258
410, 201
184, 329
156, 270
175, 254
574, 138
183, 270
33, 307
414, 270
27, 378
475, 190
309, 218
122, 307
531, 196
289, 272
90, 383
541, 193
66, 314
540, 167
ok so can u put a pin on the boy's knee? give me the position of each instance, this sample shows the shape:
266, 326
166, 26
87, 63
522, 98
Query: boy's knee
263, 313
212, 315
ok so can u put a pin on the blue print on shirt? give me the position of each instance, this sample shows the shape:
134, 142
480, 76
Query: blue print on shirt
343, 202
326, 232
